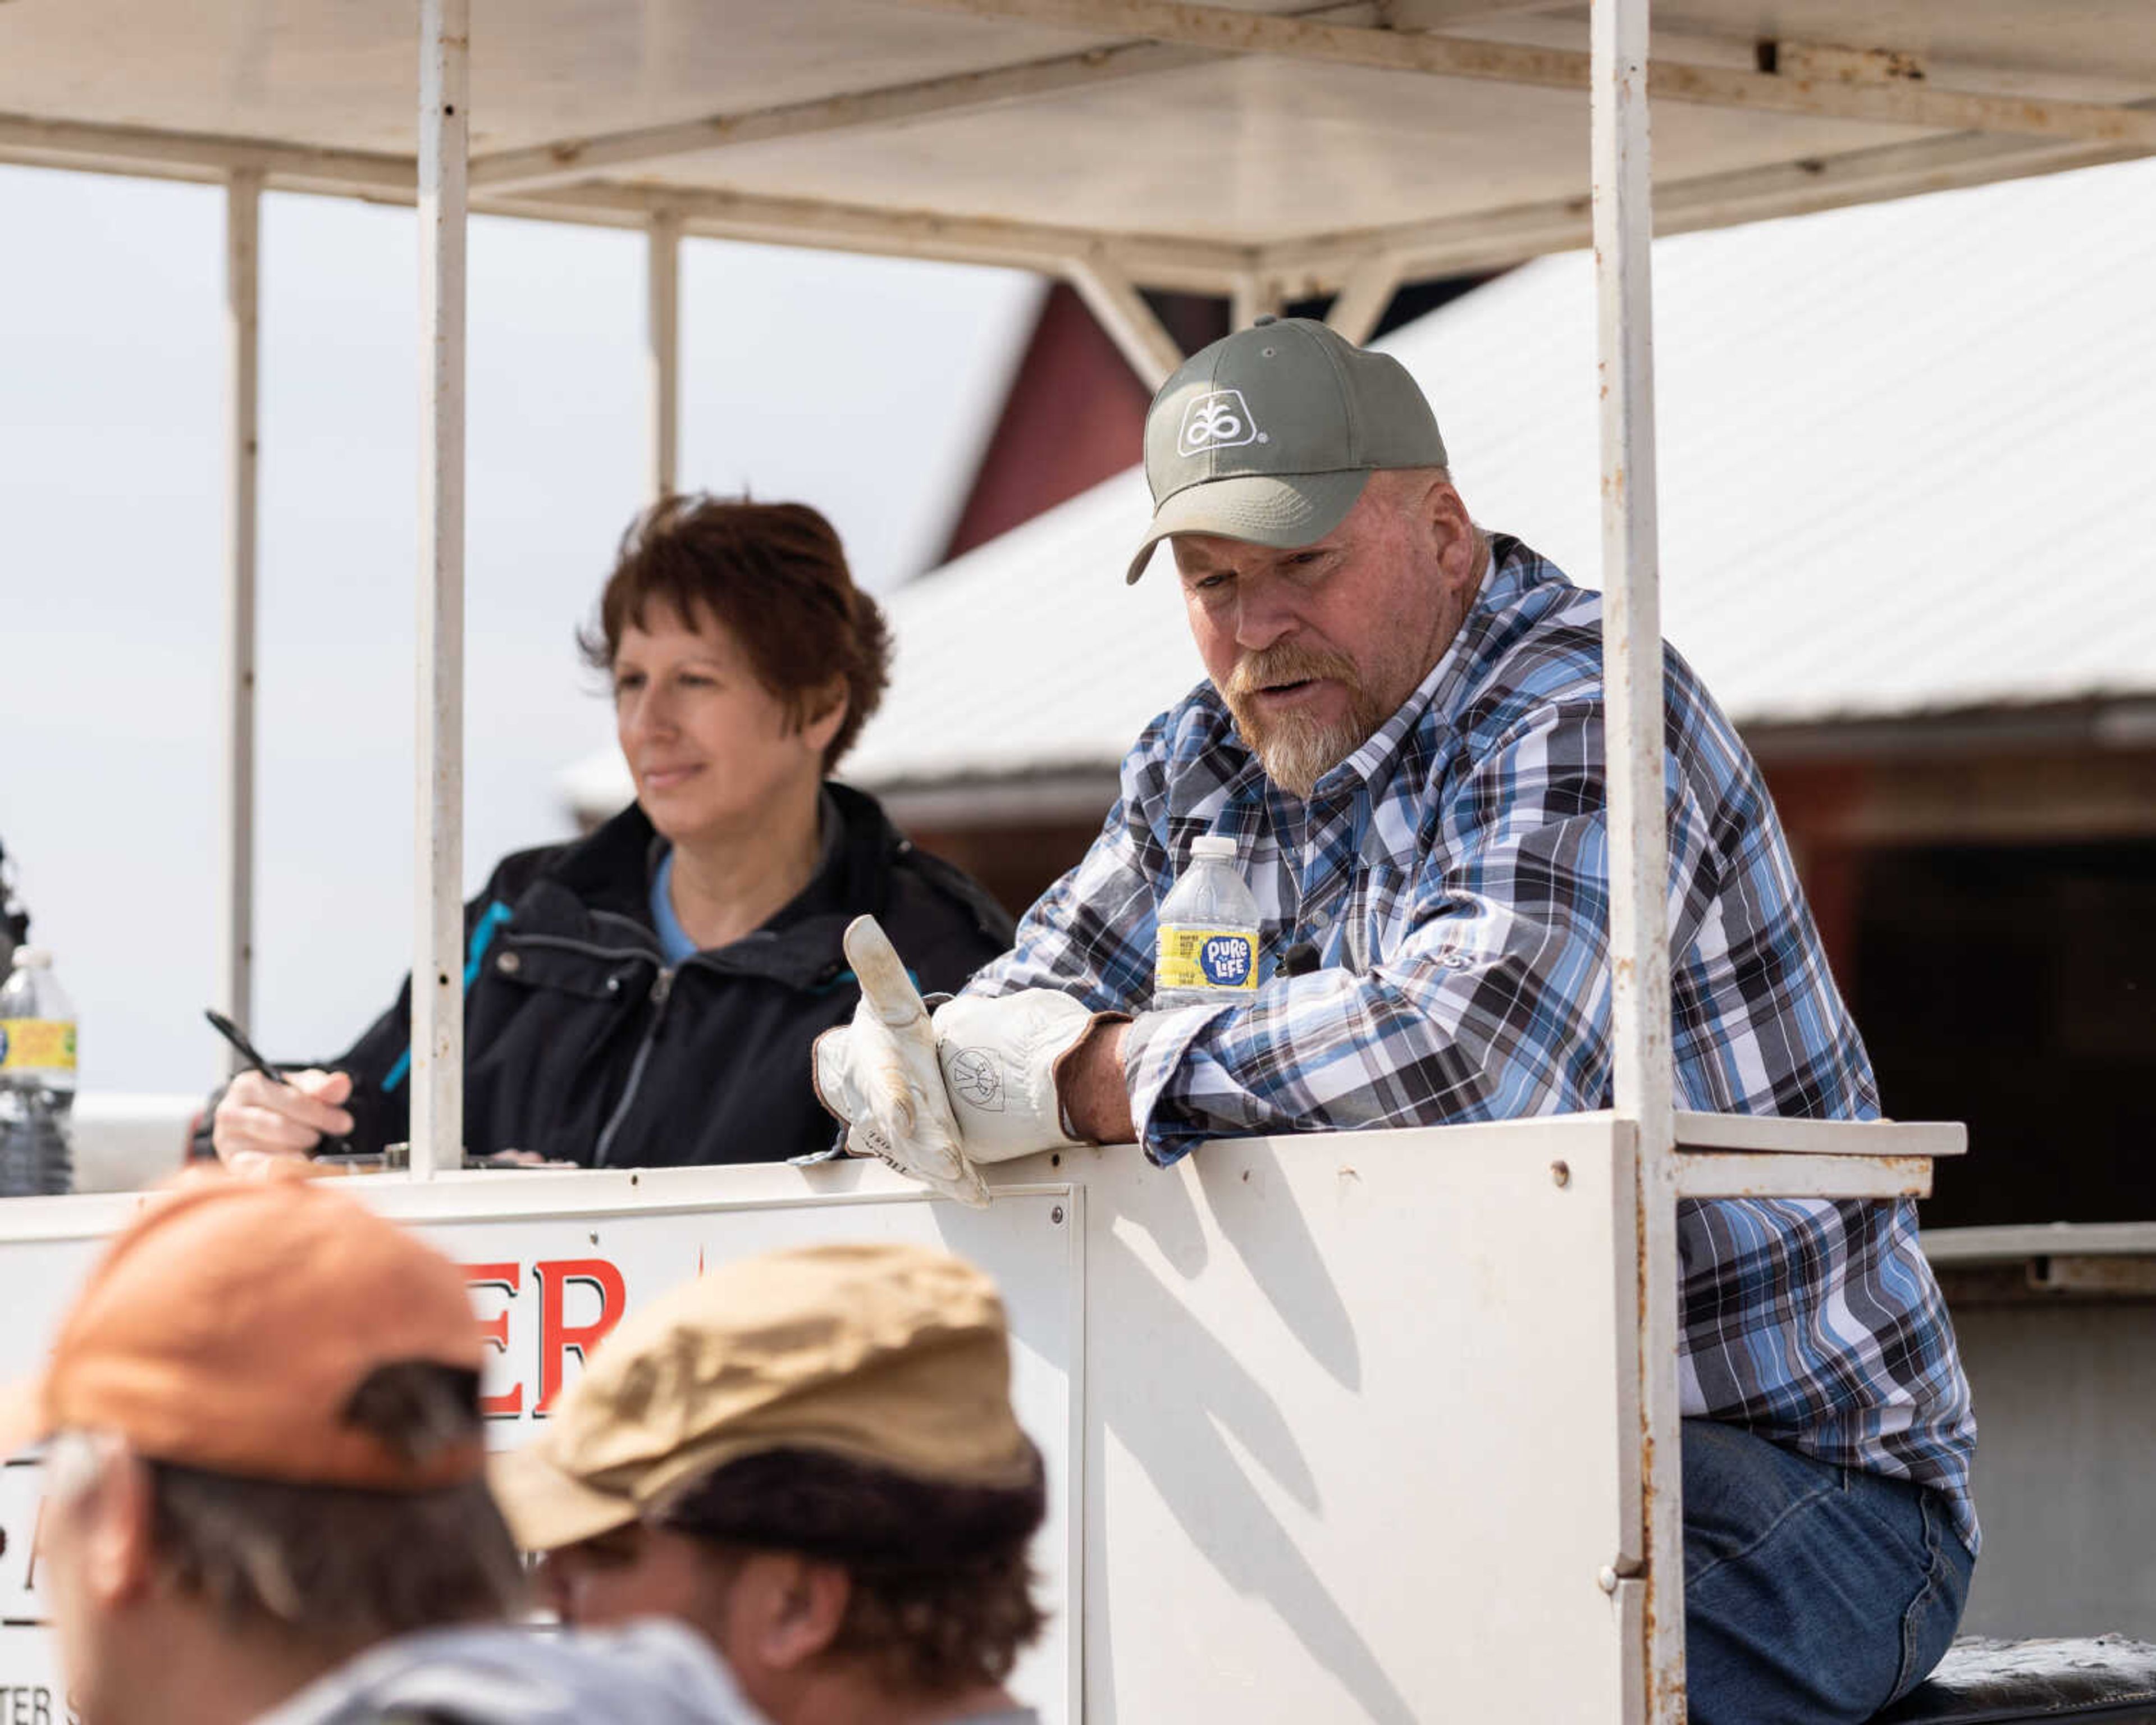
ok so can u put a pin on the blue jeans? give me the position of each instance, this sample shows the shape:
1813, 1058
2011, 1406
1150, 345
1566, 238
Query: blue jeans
1814, 1594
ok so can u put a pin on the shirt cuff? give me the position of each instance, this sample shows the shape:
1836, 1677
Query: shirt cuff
1154, 1050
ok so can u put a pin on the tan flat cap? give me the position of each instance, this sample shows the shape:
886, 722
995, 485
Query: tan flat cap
895, 1356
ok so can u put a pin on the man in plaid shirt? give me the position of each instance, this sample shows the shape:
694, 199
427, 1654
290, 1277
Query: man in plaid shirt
1403, 732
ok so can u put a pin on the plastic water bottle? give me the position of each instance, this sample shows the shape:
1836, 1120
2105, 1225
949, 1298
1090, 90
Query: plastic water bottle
37, 1078
1208, 954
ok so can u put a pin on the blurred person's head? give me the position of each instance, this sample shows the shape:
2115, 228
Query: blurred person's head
743, 661
264, 1454
810, 1457
1326, 557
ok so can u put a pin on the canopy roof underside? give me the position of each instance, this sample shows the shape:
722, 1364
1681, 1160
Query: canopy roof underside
1254, 148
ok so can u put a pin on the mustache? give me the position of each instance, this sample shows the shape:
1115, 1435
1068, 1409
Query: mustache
1289, 662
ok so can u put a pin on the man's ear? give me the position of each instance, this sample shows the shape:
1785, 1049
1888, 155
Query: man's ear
119, 1548
798, 1605
1444, 515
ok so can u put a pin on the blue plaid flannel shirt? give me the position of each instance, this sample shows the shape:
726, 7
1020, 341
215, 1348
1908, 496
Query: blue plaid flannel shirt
1454, 874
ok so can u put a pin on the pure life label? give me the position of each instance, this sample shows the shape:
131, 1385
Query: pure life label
1206, 958
1225, 959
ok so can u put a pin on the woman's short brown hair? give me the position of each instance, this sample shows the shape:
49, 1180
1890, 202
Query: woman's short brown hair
775, 575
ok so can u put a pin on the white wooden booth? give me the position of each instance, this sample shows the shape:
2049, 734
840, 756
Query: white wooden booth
1337, 1427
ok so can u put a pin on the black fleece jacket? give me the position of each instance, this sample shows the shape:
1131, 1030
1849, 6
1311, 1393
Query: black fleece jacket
582, 1043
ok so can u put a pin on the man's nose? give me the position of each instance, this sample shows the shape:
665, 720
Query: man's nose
1264, 614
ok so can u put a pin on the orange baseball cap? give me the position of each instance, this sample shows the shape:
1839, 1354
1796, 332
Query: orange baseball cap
228, 1327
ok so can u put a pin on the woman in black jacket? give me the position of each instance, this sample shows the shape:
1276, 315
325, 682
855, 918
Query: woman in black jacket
647, 995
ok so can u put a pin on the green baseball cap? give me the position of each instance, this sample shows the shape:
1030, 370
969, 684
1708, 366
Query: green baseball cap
1269, 434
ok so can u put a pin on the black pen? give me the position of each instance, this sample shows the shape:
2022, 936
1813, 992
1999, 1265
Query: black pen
329, 1149
237, 1037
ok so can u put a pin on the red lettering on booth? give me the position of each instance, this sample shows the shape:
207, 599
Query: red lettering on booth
557, 1337
508, 1277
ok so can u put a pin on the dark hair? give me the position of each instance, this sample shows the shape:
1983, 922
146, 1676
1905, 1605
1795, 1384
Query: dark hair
942, 1596
336, 1565
775, 575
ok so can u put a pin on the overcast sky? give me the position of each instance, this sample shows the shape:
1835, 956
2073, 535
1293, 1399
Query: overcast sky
864, 385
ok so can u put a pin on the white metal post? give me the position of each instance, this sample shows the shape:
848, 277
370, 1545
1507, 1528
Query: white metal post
437, 983
662, 336
1639, 835
234, 991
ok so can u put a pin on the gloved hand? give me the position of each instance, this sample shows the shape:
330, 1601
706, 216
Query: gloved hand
931, 1097
999, 1057
879, 1075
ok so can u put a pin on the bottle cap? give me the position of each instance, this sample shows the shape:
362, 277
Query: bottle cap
1214, 847
33, 958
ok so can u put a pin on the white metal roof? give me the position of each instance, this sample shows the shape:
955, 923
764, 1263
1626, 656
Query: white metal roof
1907, 466
1130, 139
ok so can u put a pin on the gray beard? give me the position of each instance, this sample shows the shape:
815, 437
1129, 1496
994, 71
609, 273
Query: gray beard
1298, 749
1297, 752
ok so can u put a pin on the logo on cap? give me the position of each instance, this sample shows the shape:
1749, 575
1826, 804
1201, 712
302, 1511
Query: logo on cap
1217, 421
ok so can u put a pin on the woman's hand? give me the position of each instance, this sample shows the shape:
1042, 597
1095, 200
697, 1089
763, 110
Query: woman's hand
257, 1117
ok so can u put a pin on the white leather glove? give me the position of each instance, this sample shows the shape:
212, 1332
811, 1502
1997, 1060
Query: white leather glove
879, 1075
999, 1057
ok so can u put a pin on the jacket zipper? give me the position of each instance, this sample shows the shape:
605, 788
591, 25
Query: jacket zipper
662, 989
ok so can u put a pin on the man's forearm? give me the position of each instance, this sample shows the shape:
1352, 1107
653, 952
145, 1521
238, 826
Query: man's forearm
1090, 1087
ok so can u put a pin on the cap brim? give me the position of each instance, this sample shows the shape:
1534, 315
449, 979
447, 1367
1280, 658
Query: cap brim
547, 1508
21, 1416
1282, 510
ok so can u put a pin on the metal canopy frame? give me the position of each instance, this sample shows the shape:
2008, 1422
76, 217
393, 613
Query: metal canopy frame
616, 179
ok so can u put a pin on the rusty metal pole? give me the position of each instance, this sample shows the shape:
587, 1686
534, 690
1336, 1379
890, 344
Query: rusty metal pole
663, 348
234, 989
1639, 832
437, 979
